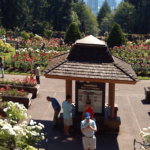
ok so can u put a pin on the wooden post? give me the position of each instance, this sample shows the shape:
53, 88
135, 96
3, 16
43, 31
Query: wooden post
112, 99
109, 95
69, 89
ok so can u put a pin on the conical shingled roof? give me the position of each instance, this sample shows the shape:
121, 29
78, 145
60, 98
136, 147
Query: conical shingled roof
92, 62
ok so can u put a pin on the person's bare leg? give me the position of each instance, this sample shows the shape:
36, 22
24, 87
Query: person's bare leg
67, 129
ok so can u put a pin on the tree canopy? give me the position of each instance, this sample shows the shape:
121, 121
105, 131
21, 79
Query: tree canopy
103, 11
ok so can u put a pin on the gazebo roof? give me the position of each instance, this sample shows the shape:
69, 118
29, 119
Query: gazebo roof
90, 63
91, 40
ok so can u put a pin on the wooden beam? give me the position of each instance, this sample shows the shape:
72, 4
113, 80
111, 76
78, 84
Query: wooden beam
90, 79
69, 89
109, 95
112, 99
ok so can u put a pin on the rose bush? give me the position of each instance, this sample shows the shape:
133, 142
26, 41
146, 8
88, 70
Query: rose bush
145, 134
25, 81
19, 136
26, 58
12, 92
137, 55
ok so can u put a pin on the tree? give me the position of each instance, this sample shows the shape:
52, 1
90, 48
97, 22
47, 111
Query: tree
73, 33
14, 13
124, 15
60, 14
107, 23
87, 18
142, 17
103, 11
116, 36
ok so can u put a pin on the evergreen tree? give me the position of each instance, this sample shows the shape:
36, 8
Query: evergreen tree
116, 37
73, 33
88, 20
103, 11
14, 13
124, 15
107, 23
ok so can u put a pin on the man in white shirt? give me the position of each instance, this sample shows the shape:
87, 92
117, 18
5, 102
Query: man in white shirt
88, 128
37, 73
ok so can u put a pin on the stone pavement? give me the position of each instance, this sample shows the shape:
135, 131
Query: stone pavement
133, 110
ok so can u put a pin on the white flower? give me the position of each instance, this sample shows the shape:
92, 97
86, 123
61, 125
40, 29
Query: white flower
37, 50
42, 133
142, 148
144, 129
5, 109
32, 122
40, 124
24, 122
43, 137
148, 128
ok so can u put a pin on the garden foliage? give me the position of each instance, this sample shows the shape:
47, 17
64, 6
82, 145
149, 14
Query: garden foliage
25, 36
136, 55
4, 47
116, 36
73, 33
104, 10
48, 34
18, 136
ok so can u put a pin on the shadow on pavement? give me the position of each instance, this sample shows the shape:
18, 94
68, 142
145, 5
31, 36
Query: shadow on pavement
145, 102
55, 139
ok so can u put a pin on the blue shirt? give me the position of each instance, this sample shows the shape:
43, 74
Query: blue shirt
55, 104
88, 132
66, 110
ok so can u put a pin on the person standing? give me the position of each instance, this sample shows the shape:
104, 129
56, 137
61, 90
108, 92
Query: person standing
2, 67
61, 42
88, 129
56, 106
4, 39
37, 73
67, 114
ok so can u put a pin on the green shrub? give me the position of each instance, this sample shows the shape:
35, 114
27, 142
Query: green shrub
31, 35
147, 42
116, 36
2, 31
73, 33
25, 36
48, 34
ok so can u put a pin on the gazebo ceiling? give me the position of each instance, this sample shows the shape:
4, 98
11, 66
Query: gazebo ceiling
90, 63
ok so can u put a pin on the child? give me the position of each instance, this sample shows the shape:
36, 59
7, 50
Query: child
31, 76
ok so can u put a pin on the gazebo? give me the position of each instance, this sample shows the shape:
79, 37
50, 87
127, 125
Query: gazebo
91, 64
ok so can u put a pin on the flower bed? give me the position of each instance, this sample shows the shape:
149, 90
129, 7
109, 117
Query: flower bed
16, 96
26, 58
26, 84
137, 55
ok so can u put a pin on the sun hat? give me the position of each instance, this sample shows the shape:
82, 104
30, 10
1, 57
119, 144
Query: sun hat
87, 115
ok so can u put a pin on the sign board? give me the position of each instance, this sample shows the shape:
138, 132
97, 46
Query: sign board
93, 91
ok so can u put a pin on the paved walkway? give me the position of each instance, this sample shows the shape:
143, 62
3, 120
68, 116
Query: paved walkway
133, 110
